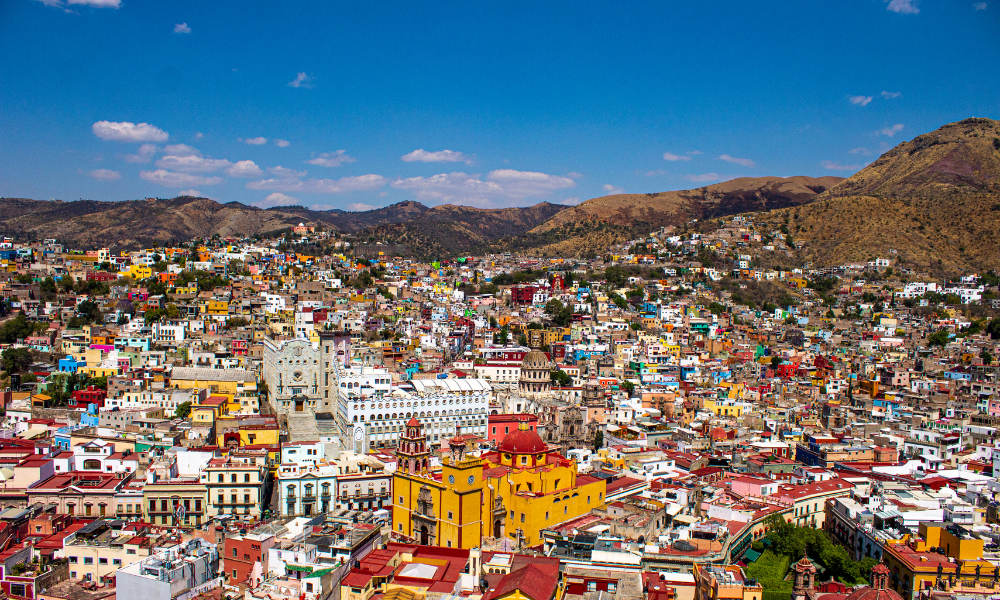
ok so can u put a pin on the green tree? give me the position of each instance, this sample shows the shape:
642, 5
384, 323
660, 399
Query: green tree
599, 440
16, 360
183, 410
628, 386
938, 338
561, 378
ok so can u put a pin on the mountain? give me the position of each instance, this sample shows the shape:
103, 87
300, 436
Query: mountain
139, 223
932, 203
597, 223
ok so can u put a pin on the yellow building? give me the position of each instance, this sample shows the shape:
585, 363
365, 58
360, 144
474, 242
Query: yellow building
515, 491
530, 488
140, 272
915, 565
439, 508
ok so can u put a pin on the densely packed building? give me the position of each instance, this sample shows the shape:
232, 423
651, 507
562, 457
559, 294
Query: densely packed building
680, 418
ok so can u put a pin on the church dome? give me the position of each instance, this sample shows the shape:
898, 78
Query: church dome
522, 441
535, 360
879, 590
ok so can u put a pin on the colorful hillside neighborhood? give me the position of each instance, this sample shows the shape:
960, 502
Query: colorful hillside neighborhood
307, 417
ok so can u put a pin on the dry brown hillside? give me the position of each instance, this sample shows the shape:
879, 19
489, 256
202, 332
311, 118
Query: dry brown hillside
596, 224
933, 203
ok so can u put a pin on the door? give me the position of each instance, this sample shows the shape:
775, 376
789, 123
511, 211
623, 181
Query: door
424, 536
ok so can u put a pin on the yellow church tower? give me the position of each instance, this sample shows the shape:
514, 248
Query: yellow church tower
437, 508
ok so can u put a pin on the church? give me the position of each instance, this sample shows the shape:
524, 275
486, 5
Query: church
514, 491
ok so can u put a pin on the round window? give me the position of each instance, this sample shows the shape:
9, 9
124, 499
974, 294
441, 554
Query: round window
472, 479
451, 479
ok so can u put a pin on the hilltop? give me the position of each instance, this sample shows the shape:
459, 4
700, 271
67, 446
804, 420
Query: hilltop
139, 223
931, 203
597, 223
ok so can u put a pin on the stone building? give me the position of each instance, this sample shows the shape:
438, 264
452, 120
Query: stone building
536, 378
301, 376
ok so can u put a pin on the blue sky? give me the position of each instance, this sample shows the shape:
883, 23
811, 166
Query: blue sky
363, 104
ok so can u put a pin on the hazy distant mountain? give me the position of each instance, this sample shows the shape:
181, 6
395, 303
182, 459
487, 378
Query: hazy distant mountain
139, 223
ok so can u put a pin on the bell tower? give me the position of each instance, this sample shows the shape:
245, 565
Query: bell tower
414, 457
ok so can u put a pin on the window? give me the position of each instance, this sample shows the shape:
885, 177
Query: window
88, 560
450, 515
17, 589
546, 515
102, 561
234, 553
400, 526
522, 517
72, 560
612, 587
130, 551
591, 586
246, 478
116, 561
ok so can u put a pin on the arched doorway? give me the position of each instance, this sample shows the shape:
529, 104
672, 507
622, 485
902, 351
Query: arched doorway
497, 528
424, 536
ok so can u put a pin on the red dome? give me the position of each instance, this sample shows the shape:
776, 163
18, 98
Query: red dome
719, 433
413, 422
522, 441
870, 593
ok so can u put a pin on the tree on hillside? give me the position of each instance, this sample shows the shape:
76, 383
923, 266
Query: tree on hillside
16, 360
938, 338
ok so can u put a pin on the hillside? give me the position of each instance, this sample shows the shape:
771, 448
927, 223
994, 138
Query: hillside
597, 223
932, 203
139, 223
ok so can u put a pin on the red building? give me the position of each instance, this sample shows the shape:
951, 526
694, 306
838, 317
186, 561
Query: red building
240, 553
91, 395
523, 294
240, 347
101, 276
500, 425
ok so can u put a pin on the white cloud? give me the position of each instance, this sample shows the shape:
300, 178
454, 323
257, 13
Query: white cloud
289, 180
861, 151
182, 28
192, 193
574, 175
169, 179
505, 185
655, 173
244, 168
181, 150
674, 157
277, 199
695, 152
129, 132
891, 131
745, 162
360, 206
199, 135
421, 155
904, 7
257, 141
92, 3
301, 81
322, 207
331, 159
192, 163
105, 174
704, 177
890, 95
612, 189
573, 201
859, 100
144, 155
281, 143
979, 5
836, 166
